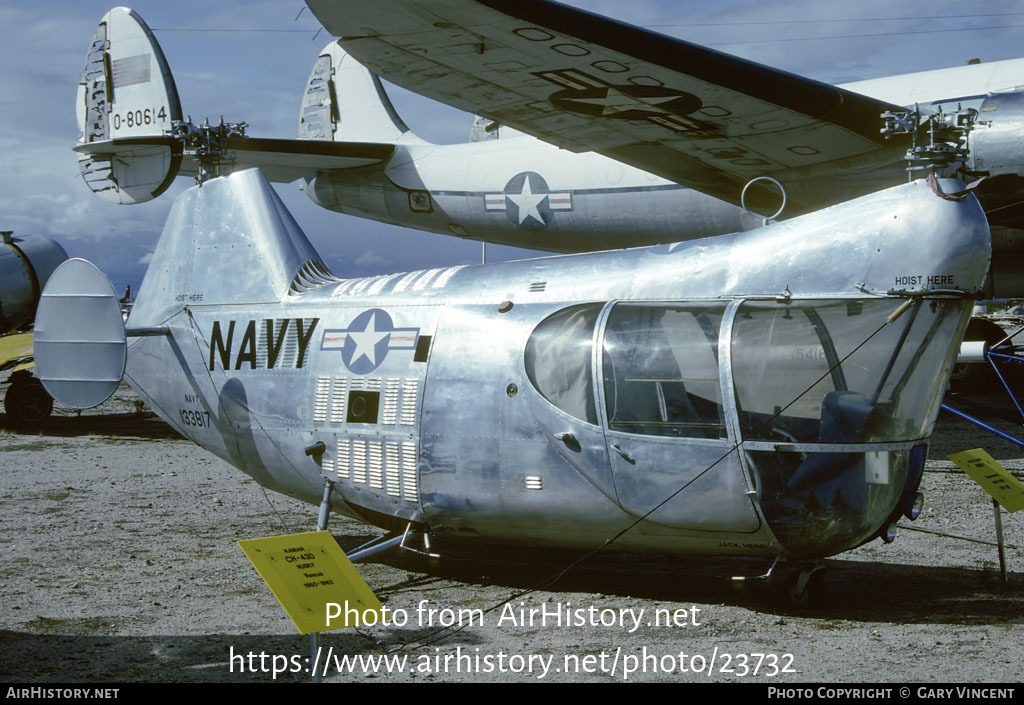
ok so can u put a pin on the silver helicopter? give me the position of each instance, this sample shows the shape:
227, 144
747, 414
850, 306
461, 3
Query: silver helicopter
768, 393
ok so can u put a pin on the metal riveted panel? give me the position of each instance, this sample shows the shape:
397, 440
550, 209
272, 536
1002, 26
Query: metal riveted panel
377, 449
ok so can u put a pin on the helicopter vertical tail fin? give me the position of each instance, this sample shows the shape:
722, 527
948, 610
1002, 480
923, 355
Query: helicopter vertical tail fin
343, 101
232, 240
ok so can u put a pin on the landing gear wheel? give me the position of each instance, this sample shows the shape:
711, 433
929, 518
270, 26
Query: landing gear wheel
803, 588
27, 402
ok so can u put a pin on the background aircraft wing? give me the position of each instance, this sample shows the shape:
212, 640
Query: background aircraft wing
280, 160
587, 83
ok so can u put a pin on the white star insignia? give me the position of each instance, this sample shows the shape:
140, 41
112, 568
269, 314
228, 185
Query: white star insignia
528, 201
618, 102
366, 341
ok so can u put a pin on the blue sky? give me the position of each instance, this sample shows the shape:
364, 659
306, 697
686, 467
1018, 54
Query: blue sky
258, 76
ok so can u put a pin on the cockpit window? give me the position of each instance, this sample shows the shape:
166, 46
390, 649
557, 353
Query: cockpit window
559, 358
661, 370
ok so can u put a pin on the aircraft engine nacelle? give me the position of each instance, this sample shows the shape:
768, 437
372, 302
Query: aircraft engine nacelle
25, 265
997, 149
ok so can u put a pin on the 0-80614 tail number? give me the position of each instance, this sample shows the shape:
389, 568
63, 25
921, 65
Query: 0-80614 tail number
138, 118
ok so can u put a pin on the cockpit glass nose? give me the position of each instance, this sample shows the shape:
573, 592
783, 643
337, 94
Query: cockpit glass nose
837, 372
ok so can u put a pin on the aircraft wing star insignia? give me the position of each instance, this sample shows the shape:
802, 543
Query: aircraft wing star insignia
615, 102
586, 95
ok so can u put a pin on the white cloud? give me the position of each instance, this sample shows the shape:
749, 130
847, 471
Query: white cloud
371, 260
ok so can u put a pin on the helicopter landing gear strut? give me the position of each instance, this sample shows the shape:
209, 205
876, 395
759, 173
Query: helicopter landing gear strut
803, 587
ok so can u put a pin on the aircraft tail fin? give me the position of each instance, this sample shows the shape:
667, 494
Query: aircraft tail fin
231, 240
343, 101
133, 142
127, 103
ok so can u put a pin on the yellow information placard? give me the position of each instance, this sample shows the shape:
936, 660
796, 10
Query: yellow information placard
312, 577
993, 478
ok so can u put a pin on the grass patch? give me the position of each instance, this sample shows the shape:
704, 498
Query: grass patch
38, 445
79, 626
830, 626
247, 591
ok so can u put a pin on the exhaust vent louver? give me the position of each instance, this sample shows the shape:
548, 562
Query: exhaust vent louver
313, 274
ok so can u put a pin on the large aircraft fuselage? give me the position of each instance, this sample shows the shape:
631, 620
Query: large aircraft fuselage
523, 192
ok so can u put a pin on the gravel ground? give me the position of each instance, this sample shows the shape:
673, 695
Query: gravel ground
120, 565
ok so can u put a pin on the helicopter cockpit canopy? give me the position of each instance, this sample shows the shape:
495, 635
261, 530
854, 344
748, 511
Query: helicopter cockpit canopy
815, 406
